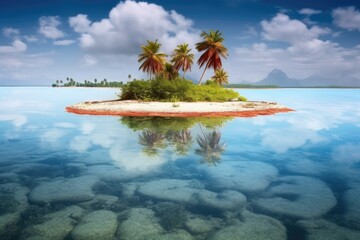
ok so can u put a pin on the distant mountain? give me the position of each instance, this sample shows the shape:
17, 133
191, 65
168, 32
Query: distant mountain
279, 78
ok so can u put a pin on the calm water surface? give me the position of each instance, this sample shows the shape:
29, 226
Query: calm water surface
286, 176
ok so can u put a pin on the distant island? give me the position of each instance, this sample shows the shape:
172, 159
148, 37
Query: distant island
278, 78
70, 82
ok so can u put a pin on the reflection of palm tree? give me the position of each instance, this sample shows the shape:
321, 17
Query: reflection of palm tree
182, 140
210, 146
152, 141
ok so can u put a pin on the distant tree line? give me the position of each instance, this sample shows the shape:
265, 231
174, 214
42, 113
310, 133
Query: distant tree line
242, 85
70, 82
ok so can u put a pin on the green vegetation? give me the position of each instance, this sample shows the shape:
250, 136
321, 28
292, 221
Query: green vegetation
175, 90
72, 83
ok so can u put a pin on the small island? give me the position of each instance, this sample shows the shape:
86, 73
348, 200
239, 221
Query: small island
169, 95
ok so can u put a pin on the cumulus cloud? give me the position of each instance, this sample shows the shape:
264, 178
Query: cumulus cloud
31, 38
129, 25
282, 28
305, 53
11, 32
48, 26
65, 42
347, 18
309, 11
16, 47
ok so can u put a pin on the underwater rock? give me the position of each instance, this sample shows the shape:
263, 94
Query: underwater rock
105, 200
244, 176
169, 190
56, 226
129, 189
352, 207
320, 229
192, 192
141, 224
306, 167
110, 173
96, 225
199, 225
65, 190
226, 200
8, 177
253, 227
298, 197
13, 201
176, 235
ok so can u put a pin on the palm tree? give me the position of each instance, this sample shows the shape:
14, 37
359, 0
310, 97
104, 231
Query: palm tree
220, 77
214, 49
169, 72
152, 60
182, 58
129, 77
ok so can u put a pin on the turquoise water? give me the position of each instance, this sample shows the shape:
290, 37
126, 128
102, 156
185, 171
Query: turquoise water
286, 176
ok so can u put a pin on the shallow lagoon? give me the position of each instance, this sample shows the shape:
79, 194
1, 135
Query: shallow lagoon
286, 176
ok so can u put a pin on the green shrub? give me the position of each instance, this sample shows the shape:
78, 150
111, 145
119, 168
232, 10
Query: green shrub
138, 89
242, 99
175, 90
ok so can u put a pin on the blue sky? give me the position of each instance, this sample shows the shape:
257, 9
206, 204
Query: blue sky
41, 41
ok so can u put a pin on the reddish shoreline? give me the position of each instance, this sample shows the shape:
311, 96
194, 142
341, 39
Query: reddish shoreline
251, 113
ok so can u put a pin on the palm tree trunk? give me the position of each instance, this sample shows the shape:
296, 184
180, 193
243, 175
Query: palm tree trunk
202, 76
184, 75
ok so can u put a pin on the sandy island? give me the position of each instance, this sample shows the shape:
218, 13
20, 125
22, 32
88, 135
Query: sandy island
177, 109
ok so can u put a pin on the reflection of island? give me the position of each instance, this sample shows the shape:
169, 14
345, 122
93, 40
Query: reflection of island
157, 133
152, 141
210, 146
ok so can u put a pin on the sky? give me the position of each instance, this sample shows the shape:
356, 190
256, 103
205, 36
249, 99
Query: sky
45, 41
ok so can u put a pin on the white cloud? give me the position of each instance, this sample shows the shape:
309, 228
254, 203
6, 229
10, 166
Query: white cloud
80, 23
128, 27
16, 47
309, 11
347, 18
347, 153
52, 135
11, 32
282, 28
31, 38
305, 53
48, 26
89, 60
17, 120
65, 42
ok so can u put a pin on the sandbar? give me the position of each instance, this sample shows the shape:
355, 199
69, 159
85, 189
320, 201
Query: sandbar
177, 109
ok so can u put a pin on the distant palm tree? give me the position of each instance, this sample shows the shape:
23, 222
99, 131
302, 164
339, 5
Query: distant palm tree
129, 77
57, 83
152, 61
220, 77
182, 58
95, 80
214, 50
169, 72
210, 146
61, 81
